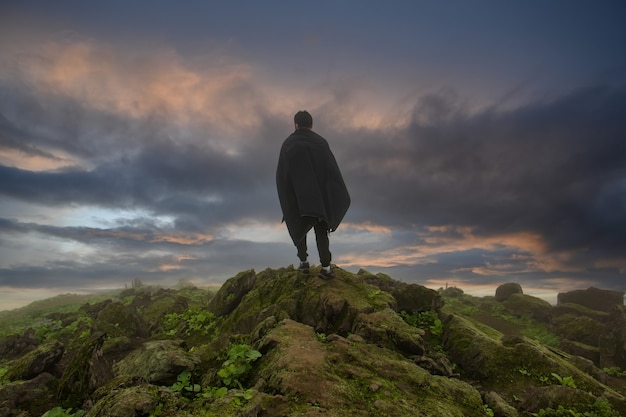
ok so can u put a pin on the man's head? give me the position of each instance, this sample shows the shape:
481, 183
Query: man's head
303, 119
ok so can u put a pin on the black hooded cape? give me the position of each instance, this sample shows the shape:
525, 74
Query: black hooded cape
309, 183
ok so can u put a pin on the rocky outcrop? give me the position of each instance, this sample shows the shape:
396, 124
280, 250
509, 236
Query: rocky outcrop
283, 343
523, 305
612, 340
593, 298
42, 359
504, 291
158, 362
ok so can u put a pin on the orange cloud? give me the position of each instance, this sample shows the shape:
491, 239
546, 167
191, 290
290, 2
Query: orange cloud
532, 254
32, 162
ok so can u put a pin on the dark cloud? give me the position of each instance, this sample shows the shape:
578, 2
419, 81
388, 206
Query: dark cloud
557, 168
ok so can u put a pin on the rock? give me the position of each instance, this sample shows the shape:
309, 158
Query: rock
593, 298
158, 362
16, 345
499, 406
35, 362
481, 355
612, 340
577, 310
581, 329
116, 319
35, 395
411, 298
553, 396
86, 371
589, 352
451, 292
141, 400
329, 347
385, 328
523, 305
504, 291
329, 376
329, 306
232, 292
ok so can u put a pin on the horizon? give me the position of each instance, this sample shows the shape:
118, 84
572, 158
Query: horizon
16, 304
481, 143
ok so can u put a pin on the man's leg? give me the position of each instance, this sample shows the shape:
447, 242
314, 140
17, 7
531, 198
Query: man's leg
301, 246
323, 244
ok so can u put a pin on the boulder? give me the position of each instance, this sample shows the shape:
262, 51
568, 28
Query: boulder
116, 319
504, 291
35, 395
327, 377
87, 370
523, 305
33, 363
612, 340
412, 298
158, 362
17, 344
593, 298
139, 400
580, 329
232, 292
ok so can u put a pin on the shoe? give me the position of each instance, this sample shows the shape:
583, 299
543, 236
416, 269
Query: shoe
304, 267
326, 274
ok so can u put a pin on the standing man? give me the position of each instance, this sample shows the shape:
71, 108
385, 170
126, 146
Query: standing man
311, 191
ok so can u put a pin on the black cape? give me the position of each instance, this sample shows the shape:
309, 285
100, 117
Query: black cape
309, 183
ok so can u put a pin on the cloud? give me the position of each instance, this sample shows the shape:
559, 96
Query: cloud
438, 184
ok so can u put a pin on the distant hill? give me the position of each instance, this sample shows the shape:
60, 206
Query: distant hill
282, 343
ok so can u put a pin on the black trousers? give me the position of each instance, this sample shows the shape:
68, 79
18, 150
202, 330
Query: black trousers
321, 238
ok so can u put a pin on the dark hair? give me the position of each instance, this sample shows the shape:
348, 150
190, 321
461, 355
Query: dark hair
303, 119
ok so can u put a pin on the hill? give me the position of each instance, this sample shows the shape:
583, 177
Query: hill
281, 343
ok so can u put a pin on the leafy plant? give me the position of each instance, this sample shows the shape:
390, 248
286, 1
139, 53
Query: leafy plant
183, 384
321, 337
567, 381
424, 320
615, 371
559, 412
238, 364
3, 372
192, 321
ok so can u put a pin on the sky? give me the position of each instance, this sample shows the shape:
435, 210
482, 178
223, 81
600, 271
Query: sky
482, 142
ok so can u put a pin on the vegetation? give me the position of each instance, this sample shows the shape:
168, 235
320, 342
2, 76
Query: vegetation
279, 343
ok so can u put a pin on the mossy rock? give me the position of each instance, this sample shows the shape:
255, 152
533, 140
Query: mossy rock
504, 291
140, 400
340, 377
86, 371
158, 361
116, 319
581, 349
523, 305
35, 362
159, 305
509, 369
571, 309
29, 398
385, 328
411, 298
329, 306
582, 329
232, 292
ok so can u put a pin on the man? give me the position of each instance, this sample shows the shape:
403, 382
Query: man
311, 191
